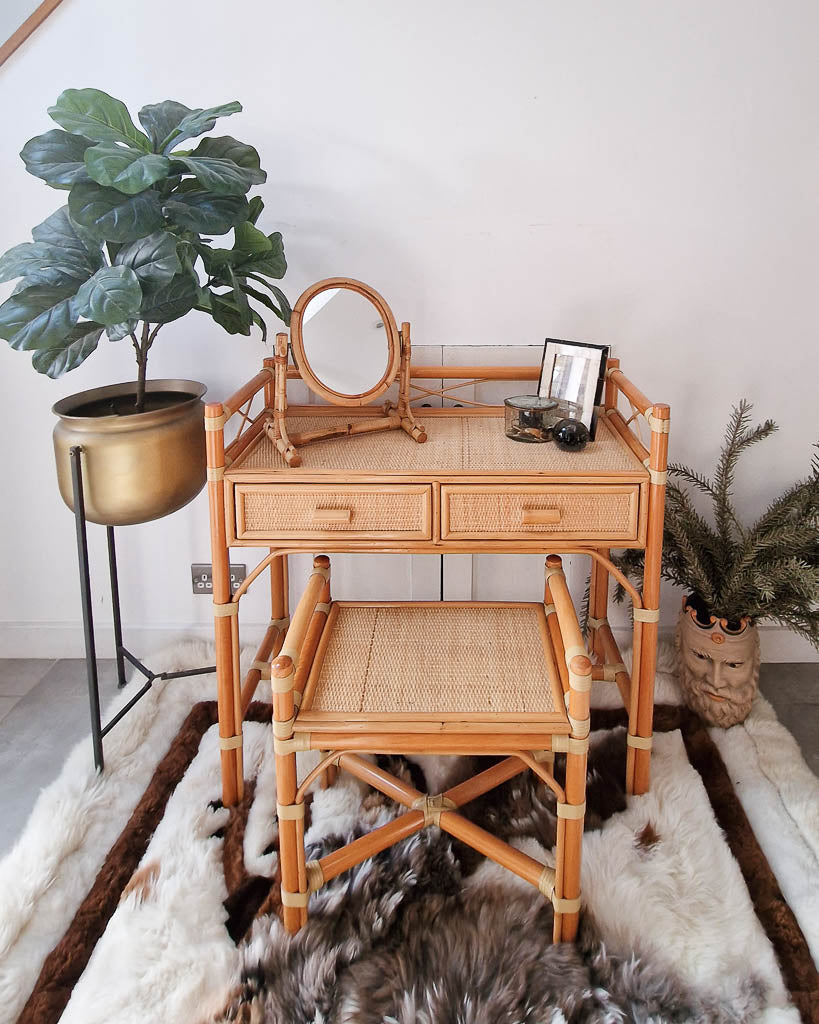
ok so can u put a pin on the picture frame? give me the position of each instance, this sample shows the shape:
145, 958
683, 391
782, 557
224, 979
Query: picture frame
574, 371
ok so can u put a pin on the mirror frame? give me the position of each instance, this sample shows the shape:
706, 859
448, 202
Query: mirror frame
303, 363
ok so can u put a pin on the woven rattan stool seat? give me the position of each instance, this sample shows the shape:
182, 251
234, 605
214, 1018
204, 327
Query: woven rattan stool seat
444, 659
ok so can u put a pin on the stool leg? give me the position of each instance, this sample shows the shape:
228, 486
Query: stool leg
330, 775
565, 927
294, 906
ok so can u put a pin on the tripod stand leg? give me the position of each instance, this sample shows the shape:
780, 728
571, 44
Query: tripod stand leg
87, 613
112, 568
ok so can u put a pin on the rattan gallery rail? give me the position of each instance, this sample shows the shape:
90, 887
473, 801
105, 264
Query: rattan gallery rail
466, 489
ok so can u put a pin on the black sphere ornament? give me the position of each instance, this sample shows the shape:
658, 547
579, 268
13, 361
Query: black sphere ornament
571, 435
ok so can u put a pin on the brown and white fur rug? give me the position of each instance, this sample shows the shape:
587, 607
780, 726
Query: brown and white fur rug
137, 897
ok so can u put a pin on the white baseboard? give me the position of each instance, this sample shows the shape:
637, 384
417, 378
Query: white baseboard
65, 640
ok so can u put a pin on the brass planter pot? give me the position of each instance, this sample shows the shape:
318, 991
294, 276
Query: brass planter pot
136, 466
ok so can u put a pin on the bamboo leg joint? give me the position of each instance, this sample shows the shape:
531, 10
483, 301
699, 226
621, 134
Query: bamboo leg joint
284, 730
580, 684
546, 883
294, 899
570, 745
230, 742
315, 875
564, 906
282, 747
432, 806
290, 812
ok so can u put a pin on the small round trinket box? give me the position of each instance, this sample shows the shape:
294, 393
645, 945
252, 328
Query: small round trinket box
530, 418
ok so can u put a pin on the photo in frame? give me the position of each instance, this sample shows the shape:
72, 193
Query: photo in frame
574, 371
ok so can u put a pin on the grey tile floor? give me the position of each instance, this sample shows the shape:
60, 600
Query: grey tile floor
44, 712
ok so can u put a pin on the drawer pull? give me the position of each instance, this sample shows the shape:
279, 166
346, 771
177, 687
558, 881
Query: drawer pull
541, 516
332, 515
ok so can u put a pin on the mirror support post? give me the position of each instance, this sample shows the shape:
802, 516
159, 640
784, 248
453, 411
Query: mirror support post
408, 424
277, 430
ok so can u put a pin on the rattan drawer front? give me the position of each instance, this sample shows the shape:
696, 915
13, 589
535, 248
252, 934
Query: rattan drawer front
582, 511
304, 511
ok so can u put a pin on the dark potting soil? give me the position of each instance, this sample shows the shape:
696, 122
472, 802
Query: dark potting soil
124, 405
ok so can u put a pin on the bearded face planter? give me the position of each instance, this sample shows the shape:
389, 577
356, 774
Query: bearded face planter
719, 666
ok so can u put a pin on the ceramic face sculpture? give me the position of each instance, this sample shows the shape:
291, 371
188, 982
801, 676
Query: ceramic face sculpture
719, 671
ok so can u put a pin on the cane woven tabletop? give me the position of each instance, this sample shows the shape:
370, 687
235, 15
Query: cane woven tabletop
456, 444
415, 659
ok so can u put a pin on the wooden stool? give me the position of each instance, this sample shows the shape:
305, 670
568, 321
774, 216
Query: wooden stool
507, 679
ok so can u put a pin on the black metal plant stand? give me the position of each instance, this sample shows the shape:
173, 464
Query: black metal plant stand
98, 730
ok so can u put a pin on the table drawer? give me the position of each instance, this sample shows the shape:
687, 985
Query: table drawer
362, 511
576, 512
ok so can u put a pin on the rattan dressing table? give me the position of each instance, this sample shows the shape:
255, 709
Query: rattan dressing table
466, 489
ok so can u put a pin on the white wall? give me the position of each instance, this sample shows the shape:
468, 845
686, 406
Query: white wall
12, 15
638, 173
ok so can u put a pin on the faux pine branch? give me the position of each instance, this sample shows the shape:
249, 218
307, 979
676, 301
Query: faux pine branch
769, 569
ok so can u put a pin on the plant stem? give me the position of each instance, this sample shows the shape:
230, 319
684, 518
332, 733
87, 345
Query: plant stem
142, 366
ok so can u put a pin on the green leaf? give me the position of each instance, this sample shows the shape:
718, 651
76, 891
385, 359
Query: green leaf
57, 157
205, 212
215, 260
249, 239
78, 345
239, 297
160, 119
125, 169
260, 324
255, 207
116, 332
41, 263
97, 116
284, 311
153, 259
223, 176
110, 296
225, 147
112, 216
172, 300
271, 263
38, 317
224, 165
264, 299
283, 302
229, 315
197, 122
60, 231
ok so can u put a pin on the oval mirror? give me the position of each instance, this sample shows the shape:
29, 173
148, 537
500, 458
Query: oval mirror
345, 341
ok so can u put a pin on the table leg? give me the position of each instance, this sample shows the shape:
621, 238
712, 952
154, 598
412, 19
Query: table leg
598, 602
226, 634
641, 722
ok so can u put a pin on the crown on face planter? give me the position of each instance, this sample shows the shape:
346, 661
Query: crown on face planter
719, 666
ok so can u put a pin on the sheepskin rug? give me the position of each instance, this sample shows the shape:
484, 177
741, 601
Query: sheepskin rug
428, 931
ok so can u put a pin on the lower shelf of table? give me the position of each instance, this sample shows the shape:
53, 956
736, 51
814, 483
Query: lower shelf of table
447, 670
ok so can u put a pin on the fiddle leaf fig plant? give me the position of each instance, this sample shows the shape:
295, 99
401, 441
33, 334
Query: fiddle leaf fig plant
131, 249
